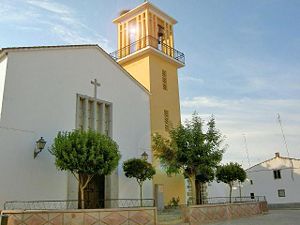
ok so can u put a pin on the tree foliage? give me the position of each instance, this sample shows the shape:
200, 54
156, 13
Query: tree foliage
190, 150
230, 173
139, 169
85, 154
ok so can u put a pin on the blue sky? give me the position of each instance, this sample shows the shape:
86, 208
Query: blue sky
242, 59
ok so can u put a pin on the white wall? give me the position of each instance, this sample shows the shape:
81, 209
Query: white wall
3, 63
40, 100
265, 184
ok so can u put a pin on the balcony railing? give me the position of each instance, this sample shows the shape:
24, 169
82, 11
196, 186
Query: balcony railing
145, 42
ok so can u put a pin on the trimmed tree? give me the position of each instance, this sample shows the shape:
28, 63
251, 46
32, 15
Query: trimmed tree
190, 150
139, 169
85, 154
230, 173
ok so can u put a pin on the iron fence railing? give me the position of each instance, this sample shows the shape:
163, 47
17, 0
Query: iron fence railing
152, 42
41, 205
73, 204
127, 203
224, 200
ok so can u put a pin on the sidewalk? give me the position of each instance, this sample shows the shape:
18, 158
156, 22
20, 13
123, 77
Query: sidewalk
274, 217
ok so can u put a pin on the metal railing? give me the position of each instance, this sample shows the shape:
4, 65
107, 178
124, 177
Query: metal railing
145, 42
41, 205
73, 204
224, 200
127, 203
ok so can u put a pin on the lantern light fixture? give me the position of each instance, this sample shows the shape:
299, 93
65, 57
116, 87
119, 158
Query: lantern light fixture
145, 156
40, 145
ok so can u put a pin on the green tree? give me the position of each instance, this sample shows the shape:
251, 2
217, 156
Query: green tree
230, 173
85, 154
189, 150
139, 169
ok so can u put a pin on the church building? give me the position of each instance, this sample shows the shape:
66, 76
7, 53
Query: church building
44, 90
129, 95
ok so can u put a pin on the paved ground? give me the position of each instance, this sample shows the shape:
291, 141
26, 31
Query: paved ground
274, 217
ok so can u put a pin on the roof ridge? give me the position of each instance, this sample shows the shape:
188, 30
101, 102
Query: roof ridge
288, 158
78, 46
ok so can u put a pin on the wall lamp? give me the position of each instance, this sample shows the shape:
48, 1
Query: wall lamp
39, 146
144, 156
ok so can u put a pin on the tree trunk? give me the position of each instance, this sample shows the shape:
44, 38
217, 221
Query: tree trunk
192, 179
141, 194
230, 192
199, 193
84, 180
81, 197
81, 191
240, 189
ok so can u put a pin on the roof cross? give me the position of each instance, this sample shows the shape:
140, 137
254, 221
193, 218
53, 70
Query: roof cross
96, 85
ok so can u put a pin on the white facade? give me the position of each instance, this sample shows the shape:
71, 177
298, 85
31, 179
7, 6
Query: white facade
39, 88
261, 181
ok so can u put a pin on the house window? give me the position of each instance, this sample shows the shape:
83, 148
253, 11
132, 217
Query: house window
93, 114
252, 195
251, 182
281, 193
164, 80
277, 174
166, 120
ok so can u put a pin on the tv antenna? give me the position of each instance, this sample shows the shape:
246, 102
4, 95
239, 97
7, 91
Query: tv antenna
285, 143
247, 151
283, 136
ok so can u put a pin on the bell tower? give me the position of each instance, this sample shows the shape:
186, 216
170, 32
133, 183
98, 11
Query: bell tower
146, 50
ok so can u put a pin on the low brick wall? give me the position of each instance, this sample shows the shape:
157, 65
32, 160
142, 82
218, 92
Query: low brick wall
203, 214
132, 216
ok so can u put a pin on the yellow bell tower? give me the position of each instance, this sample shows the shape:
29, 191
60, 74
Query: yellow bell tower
146, 51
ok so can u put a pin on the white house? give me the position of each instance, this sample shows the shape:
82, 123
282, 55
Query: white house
44, 90
278, 179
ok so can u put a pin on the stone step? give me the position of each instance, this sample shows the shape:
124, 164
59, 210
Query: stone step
169, 217
174, 222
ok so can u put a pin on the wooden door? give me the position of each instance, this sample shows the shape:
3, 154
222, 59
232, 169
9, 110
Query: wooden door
94, 194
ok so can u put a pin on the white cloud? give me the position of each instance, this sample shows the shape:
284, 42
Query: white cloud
257, 118
191, 79
51, 6
11, 14
258, 75
58, 18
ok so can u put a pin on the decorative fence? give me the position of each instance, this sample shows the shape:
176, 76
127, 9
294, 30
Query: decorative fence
41, 205
128, 203
73, 204
203, 214
225, 200
141, 216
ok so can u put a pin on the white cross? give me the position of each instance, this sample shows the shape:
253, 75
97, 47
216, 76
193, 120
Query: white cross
96, 85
